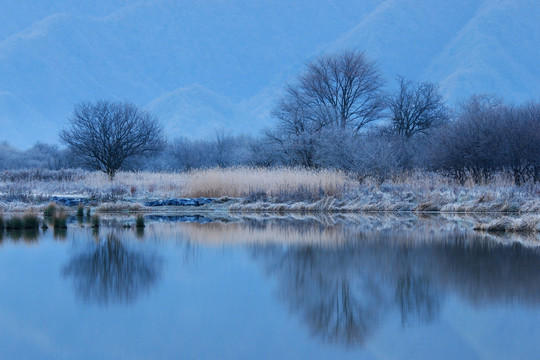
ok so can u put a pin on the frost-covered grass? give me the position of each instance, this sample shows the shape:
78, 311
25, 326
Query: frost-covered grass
27, 186
272, 190
235, 182
413, 191
528, 223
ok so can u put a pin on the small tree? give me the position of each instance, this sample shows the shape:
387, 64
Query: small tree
106, 133
416, 107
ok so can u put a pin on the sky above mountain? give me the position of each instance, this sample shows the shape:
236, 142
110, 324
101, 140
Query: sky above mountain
202, 65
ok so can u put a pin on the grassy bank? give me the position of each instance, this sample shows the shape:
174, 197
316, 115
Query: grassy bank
271, 190
525, 224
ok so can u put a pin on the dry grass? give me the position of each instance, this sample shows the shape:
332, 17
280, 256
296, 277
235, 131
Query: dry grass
244, 182
29, 188
281, 189
121, 206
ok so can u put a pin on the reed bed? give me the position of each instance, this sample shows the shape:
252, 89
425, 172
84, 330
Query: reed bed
280, 182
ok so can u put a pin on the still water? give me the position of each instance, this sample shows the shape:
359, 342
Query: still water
335, 288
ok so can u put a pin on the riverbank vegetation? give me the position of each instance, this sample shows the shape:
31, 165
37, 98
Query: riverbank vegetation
341, 141
280, 189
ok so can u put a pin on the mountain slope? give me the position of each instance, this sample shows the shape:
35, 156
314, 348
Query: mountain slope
211, 64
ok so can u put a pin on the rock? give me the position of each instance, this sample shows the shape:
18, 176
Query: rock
69, 201
180, 218
180, 202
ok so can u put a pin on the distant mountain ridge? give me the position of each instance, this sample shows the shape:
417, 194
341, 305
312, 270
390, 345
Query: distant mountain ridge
203, 65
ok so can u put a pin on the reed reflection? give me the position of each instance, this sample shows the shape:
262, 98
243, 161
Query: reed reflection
111, 272
28, 236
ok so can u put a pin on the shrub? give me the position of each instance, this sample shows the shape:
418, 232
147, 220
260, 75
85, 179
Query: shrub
50, 210
80, 211
60, 221
30, 220
14, 223
139, 222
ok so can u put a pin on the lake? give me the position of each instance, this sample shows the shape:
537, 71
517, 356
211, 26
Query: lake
334, 287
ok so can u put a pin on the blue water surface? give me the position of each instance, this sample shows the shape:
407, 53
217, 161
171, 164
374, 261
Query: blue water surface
267, 290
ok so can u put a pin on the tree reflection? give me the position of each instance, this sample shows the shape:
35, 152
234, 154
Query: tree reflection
344, 293
335, 298
416, 299
111, 272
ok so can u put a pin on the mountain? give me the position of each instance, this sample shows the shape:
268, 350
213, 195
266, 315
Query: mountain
201, 65
196, 110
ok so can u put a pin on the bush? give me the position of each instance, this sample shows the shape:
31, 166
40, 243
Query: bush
14, 223
80, 211
50, 210
60, 221
30, 221
139, 222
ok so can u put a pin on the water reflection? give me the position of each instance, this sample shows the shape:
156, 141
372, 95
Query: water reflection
346, 278
110, 272
343, 293
59, 234
28, 236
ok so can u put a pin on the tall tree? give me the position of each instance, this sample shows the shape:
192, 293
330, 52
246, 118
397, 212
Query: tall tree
341, 91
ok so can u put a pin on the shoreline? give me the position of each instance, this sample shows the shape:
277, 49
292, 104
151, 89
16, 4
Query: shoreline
284, 192
328, 205
485, 218
428, 226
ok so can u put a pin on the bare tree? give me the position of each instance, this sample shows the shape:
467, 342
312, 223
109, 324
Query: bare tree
297, 129
343, 89
222, 146
474, 143
336, 92
521, 146
187, 154
416, 107
106, 133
